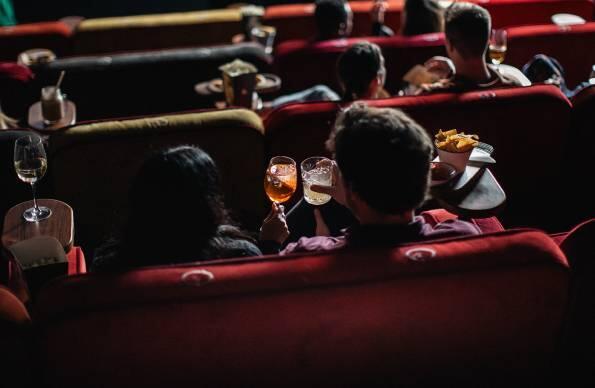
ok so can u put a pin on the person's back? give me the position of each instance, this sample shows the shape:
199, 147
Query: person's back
421, 17
467, 32
381, 175
176, 215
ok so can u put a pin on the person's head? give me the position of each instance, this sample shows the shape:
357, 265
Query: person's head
176, 206
384, 158
361, 71
421, 17
334, 19
467, 28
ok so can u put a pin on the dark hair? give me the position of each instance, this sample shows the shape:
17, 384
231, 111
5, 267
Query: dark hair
467, 27
422, 17
384, 157
357, 67
176, 207
329, 16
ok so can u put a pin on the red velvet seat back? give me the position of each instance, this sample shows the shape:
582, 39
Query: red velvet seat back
296, 21
572, 46
15, 358
523, 125
50, 35
462, 309
302, 64
583, 129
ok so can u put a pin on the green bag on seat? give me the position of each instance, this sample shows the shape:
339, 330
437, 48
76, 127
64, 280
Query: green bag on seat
7, 13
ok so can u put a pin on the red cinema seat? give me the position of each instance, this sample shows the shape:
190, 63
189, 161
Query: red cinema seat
512, 120
54, 36
572, 46
579, 340
579, 166
15, 336
296, 21
465, 310
506, 13
302, 64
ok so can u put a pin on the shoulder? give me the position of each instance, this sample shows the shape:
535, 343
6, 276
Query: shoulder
314, 244
451, 228
232, 242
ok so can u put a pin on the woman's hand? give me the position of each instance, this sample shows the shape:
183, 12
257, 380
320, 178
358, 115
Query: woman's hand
337, 190
274, 227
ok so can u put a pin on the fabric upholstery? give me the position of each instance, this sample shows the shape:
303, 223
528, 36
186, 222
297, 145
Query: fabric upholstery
512, 120
579, 156
15, 358
147, 32
486, 225
301, 64
578, 346
17, 89
295, 21
50, 35
484, 308
569, 45
148, 82
92, 165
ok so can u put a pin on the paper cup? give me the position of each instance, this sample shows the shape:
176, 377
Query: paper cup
457, 159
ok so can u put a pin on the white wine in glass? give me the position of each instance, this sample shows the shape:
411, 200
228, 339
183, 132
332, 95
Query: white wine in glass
30, 163
498, 46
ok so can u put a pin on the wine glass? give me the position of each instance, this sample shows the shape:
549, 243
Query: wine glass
30, 164
280, 181
498, 46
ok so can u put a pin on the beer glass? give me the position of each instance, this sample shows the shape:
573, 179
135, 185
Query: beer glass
316, 171
498, 46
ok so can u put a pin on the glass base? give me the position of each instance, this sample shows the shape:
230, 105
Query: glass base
34, 215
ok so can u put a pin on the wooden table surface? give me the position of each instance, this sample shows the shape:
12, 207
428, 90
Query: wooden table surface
59, 225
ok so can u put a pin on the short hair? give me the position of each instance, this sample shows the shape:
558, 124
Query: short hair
467, 27
329, 16
384, 156
422, 17
357, 67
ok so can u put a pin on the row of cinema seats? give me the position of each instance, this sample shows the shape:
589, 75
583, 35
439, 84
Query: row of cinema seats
488, 310
150, 82
541, 145
301, 63
295, 21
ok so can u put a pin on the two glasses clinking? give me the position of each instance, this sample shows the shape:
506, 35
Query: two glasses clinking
320, 183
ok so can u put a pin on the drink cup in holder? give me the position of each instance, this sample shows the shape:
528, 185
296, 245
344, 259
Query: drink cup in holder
251, 18
239, 83
265, 35
52, 104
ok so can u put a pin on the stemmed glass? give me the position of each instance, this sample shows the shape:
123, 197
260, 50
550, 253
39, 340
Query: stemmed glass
280, 181
498, 46
30, 163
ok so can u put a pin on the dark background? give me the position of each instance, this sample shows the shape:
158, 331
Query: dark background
44, 10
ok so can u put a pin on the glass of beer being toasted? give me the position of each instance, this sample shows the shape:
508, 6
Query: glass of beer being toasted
316, 171
280, 179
